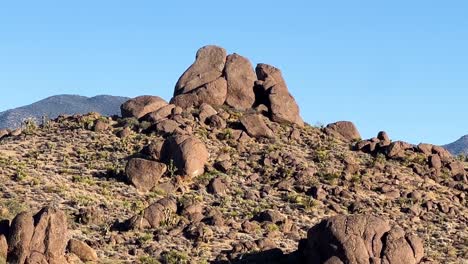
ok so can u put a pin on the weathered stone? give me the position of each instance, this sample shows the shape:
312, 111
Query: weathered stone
213, 93
217, 186
206, 111
160, 114
144, 174
100, 126
208, 66
241, 79
360, 239
82, 250
187, 153
282, 106
153, 150
19, 240
255, 126
154, 215
434, 162
141, 105
343, 129
397, 149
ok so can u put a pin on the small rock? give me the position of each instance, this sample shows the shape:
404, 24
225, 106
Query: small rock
255, 126
217, 186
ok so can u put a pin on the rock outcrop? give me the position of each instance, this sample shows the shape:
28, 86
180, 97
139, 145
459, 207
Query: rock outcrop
216, 80
360, 239
41, 238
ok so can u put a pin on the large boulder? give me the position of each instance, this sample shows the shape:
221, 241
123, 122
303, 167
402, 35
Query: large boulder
142, 105
360, 239
345, 130
213, 93
255, 126
82, 250
187, 153
144, 174
282, 106
208, 66
41, 238
241, 79
397, 149
155, 215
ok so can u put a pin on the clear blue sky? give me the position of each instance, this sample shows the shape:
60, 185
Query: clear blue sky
399, 66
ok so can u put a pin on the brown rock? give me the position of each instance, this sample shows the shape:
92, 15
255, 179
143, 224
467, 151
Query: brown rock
188, 154
456, 168
382, 136
255, 126
4, 133
100, 126
343, 129
3, 249
19, 239
82, 250
271, 216
434, 162
144, 174
126, 132
445, 156
216, 121
206, 111
360, 239
142, 105
168, 126
160, 114
153, 150
282, 106
208, 66
240, 78
154, 215
397, 149
426, 149
213, 93
38, 239
217, 186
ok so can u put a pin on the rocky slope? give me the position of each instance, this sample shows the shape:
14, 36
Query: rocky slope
459, 147
242, 180
52, 107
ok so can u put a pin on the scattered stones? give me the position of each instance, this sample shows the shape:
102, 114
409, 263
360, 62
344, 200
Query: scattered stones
360, 239
144, 174
255, 126
141, 106
343, 129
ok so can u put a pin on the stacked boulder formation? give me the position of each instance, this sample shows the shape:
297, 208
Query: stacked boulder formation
216, 79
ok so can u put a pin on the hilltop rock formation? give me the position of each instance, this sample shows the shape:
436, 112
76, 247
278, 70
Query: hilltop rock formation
216, 80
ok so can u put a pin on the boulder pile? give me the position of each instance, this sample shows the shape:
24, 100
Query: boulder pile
360, 239
437, 158
217, 79
40, 238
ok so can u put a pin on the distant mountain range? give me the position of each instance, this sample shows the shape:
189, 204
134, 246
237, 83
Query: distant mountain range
62, 104
458, 147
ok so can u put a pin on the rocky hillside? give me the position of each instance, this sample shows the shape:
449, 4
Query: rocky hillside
227, 172
459, 147
53, 106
